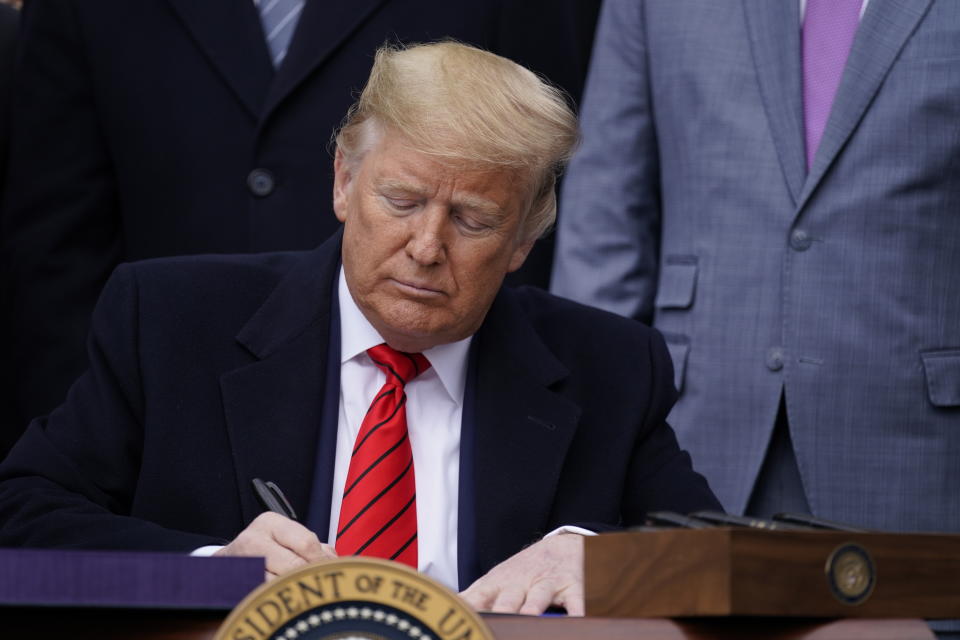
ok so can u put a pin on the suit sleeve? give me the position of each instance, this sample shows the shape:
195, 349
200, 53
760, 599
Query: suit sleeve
609, 223
61, 227
69, 482
661, 476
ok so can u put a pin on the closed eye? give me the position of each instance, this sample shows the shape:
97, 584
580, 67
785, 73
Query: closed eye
402, 205
469, 224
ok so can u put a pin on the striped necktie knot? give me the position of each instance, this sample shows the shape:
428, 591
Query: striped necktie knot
400, 367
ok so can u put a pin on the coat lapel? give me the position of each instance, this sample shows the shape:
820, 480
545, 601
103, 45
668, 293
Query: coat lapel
884, 29
523, 430
322, 28
774, 32
273, 405
230, 36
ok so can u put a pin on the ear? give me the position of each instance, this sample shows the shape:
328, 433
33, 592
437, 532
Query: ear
342, 182
520, 253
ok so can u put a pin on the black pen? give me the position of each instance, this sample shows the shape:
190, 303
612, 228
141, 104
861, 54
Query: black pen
272, 498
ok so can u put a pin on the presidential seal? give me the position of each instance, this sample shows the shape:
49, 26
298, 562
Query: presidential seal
353, 598
851, 573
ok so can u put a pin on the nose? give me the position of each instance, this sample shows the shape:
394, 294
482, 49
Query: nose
426, 245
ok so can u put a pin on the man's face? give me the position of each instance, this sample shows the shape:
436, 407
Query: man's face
426, 245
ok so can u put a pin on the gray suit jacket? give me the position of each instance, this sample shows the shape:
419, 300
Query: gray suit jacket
690, 204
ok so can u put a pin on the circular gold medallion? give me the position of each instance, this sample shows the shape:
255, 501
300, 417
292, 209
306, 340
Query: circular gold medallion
851, 573
353, 599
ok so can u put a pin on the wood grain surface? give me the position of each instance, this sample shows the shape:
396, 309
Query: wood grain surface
750, 572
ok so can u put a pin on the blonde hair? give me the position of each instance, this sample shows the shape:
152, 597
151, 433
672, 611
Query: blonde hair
466, 105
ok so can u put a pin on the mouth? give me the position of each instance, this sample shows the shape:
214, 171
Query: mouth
416, 289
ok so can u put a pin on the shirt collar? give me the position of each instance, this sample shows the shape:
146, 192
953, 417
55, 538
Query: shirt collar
357, 335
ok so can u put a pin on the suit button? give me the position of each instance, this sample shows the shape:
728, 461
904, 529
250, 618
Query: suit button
774, 358
800, 240
260, 182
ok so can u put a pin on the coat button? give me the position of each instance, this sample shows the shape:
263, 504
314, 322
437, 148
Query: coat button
260, 182
774, 358
800, 240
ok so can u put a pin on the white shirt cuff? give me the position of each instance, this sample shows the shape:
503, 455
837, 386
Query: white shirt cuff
207, 551
571, 529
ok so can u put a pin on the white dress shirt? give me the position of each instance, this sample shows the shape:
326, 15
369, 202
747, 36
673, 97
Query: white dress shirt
803, 9
434, 413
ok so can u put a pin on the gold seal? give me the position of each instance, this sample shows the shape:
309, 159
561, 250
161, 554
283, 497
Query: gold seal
353, 598
851, 573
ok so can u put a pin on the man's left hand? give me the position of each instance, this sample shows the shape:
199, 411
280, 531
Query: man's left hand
547, 573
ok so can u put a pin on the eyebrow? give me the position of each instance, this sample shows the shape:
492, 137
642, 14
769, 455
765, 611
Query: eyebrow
399, 185
470, 202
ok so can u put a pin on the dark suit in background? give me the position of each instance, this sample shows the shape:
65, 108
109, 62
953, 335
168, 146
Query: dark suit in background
9, 21
160, 127
209, 371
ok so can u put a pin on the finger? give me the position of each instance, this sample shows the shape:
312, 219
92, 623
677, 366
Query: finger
540, 596
479, 595
571, 599
328, 552
298, 539
292, 535
250, 542
267, 520
509, 600
280, 560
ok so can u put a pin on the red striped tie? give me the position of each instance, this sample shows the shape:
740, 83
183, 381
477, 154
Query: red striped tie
378, 516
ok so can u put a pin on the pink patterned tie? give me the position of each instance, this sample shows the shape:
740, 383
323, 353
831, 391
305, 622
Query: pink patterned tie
828, 30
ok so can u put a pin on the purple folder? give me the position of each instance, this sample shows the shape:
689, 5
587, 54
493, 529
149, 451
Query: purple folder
44, 577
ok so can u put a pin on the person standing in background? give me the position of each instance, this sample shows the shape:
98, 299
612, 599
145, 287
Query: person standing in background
776, 186
168, 127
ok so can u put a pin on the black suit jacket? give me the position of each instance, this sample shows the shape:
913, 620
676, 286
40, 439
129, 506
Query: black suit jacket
209, 371
159, 127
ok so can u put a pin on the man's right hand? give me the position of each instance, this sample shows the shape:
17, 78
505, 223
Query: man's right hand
285, 544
